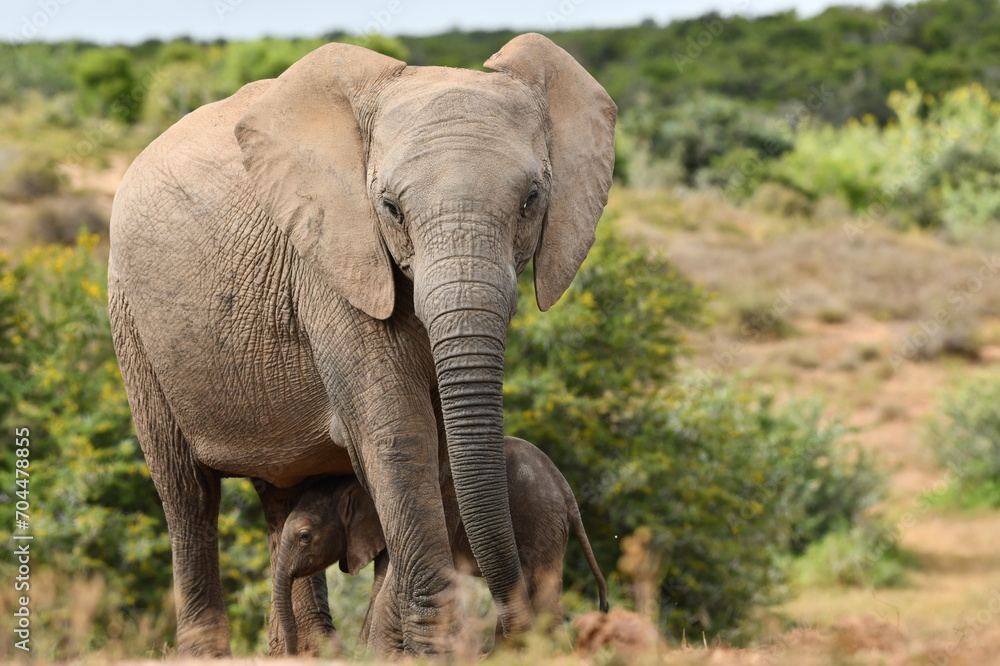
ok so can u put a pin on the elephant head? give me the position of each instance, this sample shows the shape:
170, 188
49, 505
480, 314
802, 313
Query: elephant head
459, 178
335, 520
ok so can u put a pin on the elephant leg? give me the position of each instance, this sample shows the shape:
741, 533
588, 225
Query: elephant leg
191, 497
381, 570
190, 494
416, 610
309, 595
545, 591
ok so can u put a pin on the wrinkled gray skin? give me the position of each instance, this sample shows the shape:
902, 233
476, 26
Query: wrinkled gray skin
335, 520
315, 276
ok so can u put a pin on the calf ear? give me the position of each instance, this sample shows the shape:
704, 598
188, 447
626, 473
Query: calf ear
365, 538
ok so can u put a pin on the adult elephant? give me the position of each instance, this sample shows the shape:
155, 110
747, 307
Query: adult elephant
315, 276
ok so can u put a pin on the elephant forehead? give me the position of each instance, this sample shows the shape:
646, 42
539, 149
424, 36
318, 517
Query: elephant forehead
442, 94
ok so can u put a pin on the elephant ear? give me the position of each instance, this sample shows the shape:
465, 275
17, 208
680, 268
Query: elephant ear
365, 538
305, 155
581, 152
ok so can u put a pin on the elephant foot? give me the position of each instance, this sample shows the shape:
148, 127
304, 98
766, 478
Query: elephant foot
415, 625
205, 636
436, 626
326, 646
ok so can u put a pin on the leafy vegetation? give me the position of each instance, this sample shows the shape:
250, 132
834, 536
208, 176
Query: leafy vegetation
965, 438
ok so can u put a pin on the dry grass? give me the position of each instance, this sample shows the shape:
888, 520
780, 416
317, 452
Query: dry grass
82, 202
749, 255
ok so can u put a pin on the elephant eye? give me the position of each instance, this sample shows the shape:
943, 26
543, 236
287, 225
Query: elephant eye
529, 201
391, 208
305, 538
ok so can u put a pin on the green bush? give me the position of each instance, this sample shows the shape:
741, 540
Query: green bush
389, 46
706, 140
937, 162
107, 84
243, 62
867, 555
964, 436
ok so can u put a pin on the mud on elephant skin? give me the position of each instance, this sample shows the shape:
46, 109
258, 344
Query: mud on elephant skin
315, 276
335, 520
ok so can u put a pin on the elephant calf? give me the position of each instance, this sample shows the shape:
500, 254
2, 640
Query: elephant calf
335, 520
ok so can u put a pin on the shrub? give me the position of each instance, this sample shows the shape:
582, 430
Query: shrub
759, 320
179, 87
707, 139
866, 555
27, 174
243, 62
830, 485
107, 84
390, 46
61, 219
779, 200
936, 161
964, 436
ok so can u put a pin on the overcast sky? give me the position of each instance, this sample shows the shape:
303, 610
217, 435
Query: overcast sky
133, 21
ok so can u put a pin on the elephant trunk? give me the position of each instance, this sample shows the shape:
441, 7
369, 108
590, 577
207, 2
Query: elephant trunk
466, 322
283, 581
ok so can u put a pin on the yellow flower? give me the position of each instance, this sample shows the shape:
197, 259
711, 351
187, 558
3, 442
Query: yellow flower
50, 377
91, 289
17, 339
32, 256
87, 241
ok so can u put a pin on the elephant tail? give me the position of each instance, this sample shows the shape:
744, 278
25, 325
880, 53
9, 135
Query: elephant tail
576, 521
